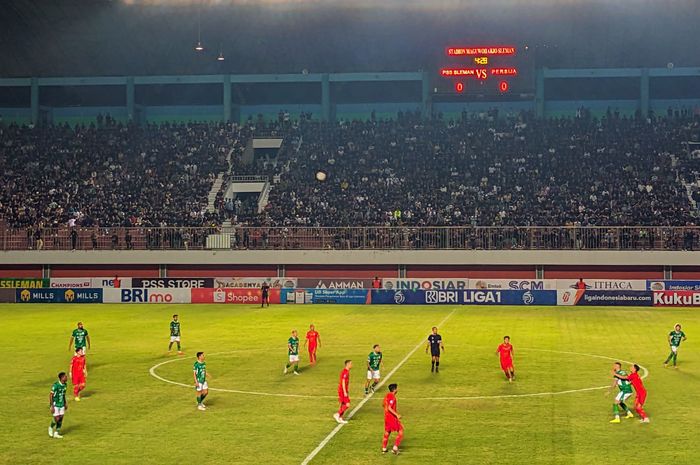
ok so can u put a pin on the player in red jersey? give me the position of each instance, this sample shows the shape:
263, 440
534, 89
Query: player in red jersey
78, 372
313, 340
392, 420
641, 392
343, 392
505, 351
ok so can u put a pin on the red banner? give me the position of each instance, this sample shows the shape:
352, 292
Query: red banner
676, 299
232, 296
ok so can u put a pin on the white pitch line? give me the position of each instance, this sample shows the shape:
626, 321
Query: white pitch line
645, 373
335, 430
153, 373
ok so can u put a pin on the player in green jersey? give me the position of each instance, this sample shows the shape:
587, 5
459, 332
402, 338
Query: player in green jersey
175, 334
625, 390
57, 405
375, 362
200, 380
293, 352
675, 338
81, 338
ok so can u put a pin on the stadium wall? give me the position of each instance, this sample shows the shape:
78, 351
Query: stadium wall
526, 264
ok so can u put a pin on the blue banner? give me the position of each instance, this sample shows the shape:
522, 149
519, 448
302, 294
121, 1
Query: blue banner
337, 296
673, 285
61, 296
590, 297
464, 297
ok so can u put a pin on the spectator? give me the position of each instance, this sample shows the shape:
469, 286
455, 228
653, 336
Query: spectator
73, 239
376, 283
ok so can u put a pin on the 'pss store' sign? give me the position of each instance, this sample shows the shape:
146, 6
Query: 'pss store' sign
173, 282
232, 296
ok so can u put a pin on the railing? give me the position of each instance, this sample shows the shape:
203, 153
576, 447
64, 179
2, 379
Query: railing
373, 238
248, 178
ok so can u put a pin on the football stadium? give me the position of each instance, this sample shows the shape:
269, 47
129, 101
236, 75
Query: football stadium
350, 232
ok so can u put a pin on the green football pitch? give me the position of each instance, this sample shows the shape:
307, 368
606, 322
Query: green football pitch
139, 405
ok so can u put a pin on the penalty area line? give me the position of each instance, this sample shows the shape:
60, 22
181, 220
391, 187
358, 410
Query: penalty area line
335, 430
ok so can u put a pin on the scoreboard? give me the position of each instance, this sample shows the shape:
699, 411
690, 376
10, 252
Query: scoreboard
484, 71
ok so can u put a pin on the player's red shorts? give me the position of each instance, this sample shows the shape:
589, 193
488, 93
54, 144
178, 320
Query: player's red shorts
391, 423
507, 364
641, 397
79, 379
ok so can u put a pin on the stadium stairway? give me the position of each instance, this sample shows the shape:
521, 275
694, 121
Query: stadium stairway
215, 188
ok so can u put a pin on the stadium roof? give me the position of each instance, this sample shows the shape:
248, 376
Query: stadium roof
137, 37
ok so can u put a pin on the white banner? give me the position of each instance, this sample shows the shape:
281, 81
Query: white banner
514, 284
147, 296
77, 283
254, 282
109, 282
426, 283
70, 283
605, 284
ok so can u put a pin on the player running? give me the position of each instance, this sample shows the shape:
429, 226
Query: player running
200, 380
343, 392
81, 337
175, 334
505, 351
293, 352
675, 338
265, 293
641, 397
620, 380
435, 345
375, 362
392, 420
57, 405
78, 372
313, 339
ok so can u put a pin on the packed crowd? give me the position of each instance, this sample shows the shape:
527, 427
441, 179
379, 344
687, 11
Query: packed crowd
479, 171
488, 171
111, 175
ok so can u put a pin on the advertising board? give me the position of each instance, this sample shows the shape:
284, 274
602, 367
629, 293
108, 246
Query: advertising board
464, 297
148, 296
233, 296
62, 296
590, 297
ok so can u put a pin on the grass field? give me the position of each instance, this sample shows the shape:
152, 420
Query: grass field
463, 415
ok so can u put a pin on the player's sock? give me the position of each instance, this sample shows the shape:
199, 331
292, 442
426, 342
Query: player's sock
203, 396
170, 346
178, 346
296, 368
641, 412
624, 407
675, 357
385, 440
199, 400
668, 359
432, 365
53, 423
616, 410
59, 423
399, 437
366, 390
437, 366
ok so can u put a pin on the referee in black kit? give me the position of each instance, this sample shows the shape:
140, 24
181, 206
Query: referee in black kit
265, 291
435, 345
